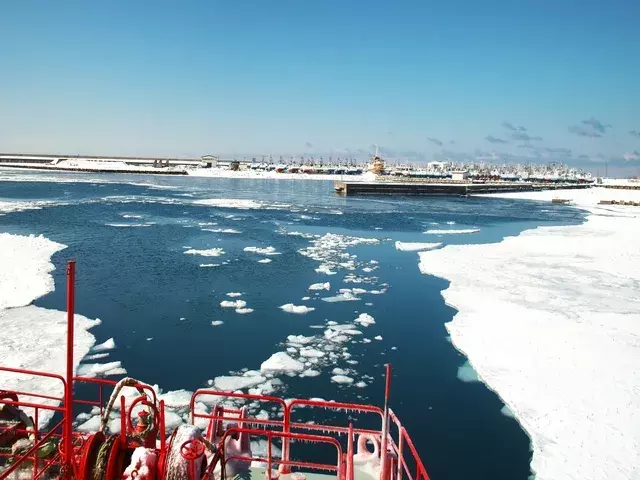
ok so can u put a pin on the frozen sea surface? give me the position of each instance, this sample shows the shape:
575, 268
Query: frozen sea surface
158, 305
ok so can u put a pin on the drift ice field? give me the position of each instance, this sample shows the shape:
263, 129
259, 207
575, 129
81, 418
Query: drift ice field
512, 324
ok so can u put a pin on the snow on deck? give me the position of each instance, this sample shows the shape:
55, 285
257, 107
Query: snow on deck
556, 332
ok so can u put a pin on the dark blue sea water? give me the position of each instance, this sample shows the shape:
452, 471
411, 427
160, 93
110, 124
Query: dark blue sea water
142, 285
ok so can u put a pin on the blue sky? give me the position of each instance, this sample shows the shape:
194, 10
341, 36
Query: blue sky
508, 80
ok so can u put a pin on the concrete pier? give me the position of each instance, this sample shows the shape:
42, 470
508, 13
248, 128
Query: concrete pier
444, 188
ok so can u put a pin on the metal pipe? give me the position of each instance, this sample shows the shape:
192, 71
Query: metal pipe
68, 397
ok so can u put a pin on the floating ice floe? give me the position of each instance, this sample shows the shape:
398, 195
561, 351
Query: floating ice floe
416, 246
211, 252
221, 230
365, 320
215, 323
265, 260
451, 231
244, 311
24, 268
100, 369
300, 339
343, 297
378, 337
466, 373
129, 215
234, 294
240, 203
262, 250
95, 356
280, 362
299, 309
127, 225
109, 344
330, 250
231, 384
311, 353
320, 286
341, 379
233, 304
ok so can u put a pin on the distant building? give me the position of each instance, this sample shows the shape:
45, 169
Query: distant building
208, 161
459, 175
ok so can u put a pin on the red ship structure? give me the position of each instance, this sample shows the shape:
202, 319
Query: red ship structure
144, 449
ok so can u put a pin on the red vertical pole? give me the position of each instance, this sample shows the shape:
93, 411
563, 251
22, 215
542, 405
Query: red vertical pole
68, 397
385, 425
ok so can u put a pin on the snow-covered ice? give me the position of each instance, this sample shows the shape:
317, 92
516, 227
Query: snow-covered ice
555, 332
32, 337
211, 252
416, 246
280, 362
320, 286
341, 379
262, 250
451, 231
109, 344
365, 320
233, 304
299, 309
30, 256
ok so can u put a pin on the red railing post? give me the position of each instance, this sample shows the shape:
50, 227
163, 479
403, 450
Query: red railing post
68, 397
285, 468
385, 425
350, 452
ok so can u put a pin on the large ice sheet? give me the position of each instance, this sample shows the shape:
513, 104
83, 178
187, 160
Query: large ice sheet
24, 268
553, 328
34, 338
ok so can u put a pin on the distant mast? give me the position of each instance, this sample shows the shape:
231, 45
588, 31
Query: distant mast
377, 164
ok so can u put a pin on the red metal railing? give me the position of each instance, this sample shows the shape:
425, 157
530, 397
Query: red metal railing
41, 402
395, 466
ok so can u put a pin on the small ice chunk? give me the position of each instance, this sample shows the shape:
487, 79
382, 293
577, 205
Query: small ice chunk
212, 252
365, 320
416, 246
311, 353
233, 304
262, 251
341, 379
320, 286
338, 371
244, 311
298, 309
101, 347
300, 339
215, 323
452, 231
280, 362
234, 294
361, 384
265, 260
466, 373
310, 373
378, 337
232, 383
